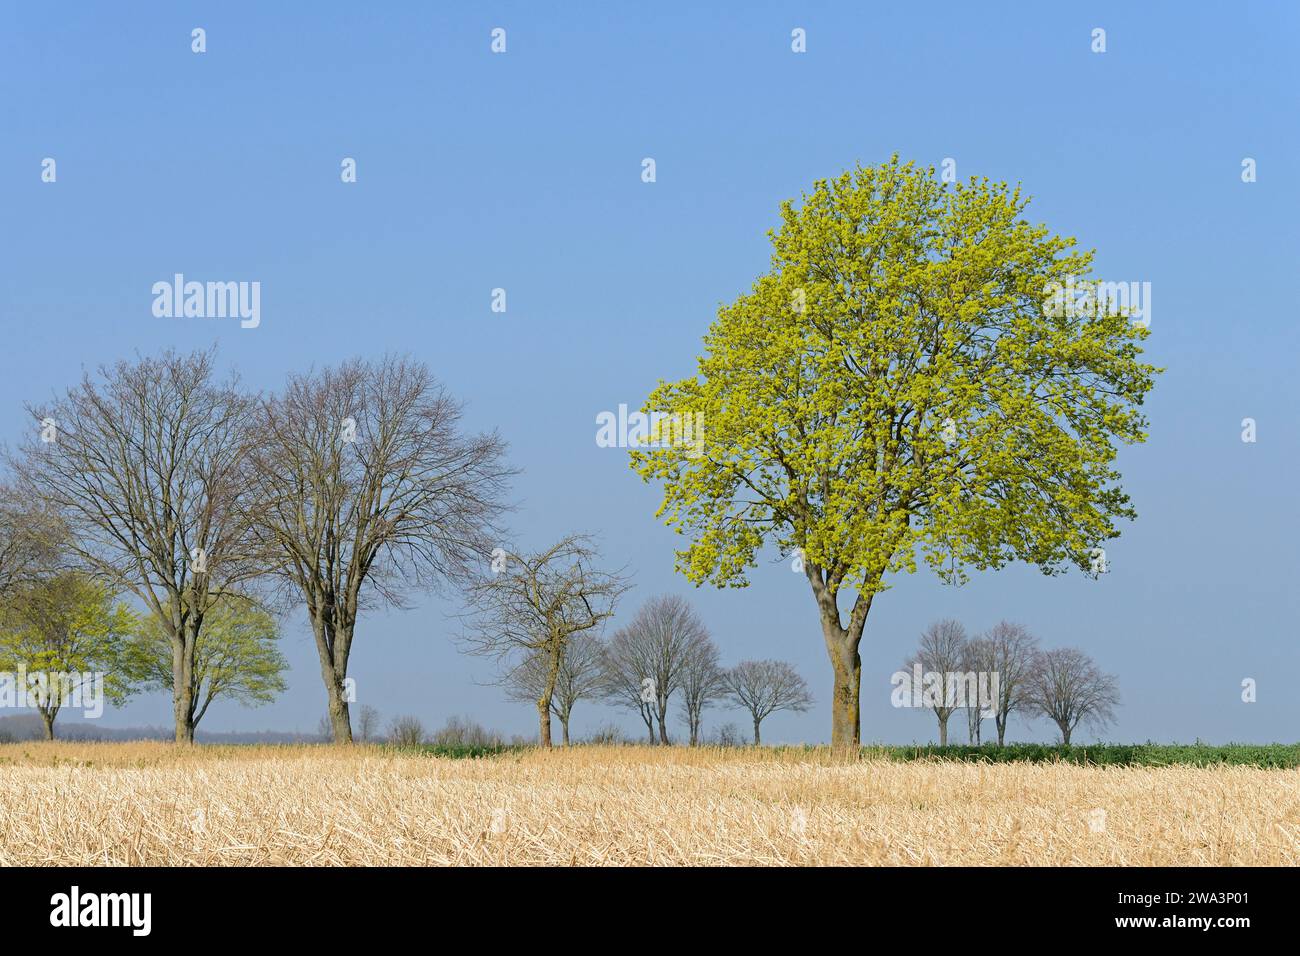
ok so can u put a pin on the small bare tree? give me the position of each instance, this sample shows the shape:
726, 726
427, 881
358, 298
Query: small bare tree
366, 488
1067, 688
647, 658
579, 678
1009, 651
367, 722
538, 604
403, 731
143, 466
764, 687
942, 652
704, 682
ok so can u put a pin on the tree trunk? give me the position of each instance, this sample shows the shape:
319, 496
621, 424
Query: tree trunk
663, 731
846, 664
333, 641
340, 716
758, 740
1065, 734
846, 726
544, 724
1001, 721
943, 731
183, 689
648, 717
554, 652
49, 724
564, 726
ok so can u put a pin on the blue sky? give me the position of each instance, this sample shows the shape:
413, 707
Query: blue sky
522, 171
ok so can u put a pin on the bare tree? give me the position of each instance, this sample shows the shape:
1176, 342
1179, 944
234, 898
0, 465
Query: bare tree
366, 488
579, 677
942, 652
764, 687
980, 660
30, 540
647, 658
367, 722
1009, 651
704, 682
624, 681
537, 605
403, 731
1067, 688
143, 466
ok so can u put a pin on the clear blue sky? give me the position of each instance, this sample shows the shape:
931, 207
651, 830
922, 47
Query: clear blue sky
522, 171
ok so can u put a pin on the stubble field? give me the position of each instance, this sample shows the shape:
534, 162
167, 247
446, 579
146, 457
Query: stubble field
154, 804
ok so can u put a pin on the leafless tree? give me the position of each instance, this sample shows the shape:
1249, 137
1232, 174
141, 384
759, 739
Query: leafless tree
367, 722
404, 731
461, 732
1067, 688
764, 687
980, 660
579, 677
538, 604
648, 657
142, 464
942, 652
1009, 651
624, 681
30, 540
704, 682
366, 489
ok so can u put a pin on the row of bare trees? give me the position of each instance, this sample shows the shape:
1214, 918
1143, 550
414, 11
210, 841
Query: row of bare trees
1063, 685
666, 650
352, 487
539, 616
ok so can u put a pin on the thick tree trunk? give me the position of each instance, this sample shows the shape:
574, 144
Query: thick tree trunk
758, 739
1065, 734
663, 730
846, 727
842, 645
340, 716
49, 724
1001, 721
943, 731
544, 723
564, 727
333, 642
183, 689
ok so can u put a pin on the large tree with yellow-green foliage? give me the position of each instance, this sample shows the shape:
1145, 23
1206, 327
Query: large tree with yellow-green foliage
898, 389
